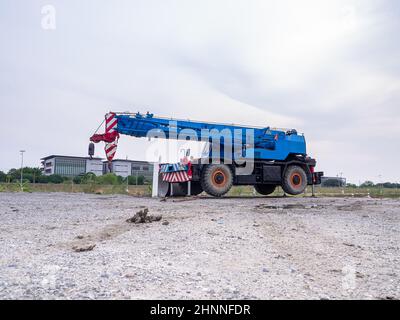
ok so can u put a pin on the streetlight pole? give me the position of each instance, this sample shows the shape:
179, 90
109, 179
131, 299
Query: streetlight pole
22, 167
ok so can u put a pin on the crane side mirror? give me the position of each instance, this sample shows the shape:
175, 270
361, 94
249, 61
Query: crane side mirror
91, 149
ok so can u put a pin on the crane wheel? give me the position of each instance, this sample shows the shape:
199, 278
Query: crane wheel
294, 180
216, 179
265, 189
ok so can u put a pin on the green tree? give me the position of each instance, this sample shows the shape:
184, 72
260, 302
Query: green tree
390, 185
13, 175
28, 177
29, 173
3, 177
367, 184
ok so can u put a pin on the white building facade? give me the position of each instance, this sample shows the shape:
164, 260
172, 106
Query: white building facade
126, 168
69, 166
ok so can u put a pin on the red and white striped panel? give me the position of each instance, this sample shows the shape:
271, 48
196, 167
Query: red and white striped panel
111, 125
173, 177
111, 149
111, 122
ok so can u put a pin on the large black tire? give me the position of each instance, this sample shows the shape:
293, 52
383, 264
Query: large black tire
294, 180
216, 179
265, 189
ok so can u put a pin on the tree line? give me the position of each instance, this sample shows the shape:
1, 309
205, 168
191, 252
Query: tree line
35, 175
367, 184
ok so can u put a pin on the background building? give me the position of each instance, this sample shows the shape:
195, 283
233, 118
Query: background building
143, 168
126, 168
69, 166
333, 182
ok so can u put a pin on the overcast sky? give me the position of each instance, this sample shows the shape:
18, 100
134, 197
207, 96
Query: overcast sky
330, 69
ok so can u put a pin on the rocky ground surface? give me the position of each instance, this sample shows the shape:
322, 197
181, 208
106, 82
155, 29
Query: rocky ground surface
78, 246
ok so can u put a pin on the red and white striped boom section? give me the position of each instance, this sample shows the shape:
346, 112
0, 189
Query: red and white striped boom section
110, 137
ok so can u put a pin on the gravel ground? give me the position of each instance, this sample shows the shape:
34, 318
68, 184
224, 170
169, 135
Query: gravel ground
230, 248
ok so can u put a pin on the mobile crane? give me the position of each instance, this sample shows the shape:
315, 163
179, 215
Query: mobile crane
275, 157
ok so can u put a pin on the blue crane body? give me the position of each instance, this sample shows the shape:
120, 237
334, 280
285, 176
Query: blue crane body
278, 157
268, 143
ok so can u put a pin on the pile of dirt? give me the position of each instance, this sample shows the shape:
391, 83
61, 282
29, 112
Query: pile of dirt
355, 206
143, 216
289, 206
83, 248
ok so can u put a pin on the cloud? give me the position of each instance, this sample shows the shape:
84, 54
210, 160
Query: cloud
328, 68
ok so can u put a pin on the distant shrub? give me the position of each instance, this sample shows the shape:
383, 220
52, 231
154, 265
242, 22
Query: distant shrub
77, 179
88, 178
132, 180
42, 179
120, 180
55, 178
109, 179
